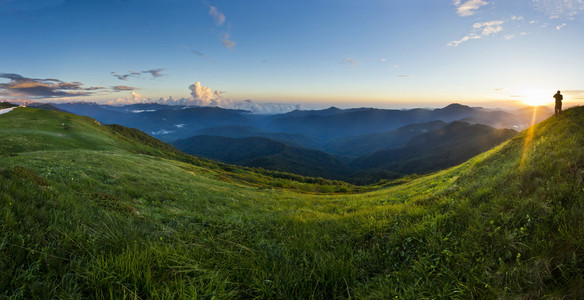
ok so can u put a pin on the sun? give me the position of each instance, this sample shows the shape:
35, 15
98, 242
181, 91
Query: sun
535, 96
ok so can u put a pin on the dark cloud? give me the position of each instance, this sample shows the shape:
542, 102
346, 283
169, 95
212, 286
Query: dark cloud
154, 72
119, 88
20, 86
199, 53
121, 77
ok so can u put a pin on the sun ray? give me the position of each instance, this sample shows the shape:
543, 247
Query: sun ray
528, 140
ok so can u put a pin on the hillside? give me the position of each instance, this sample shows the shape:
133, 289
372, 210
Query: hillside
6, 105
435, 150
354, 147
87, 212
265, 153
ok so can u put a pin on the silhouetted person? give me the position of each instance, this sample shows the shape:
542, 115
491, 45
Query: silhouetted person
559, 99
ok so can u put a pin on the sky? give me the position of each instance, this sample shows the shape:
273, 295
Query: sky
278, 55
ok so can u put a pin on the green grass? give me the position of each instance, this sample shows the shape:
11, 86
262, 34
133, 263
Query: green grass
92, 211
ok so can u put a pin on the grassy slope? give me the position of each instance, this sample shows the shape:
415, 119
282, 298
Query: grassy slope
83, 214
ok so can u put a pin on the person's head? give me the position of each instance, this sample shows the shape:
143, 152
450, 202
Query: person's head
558, 92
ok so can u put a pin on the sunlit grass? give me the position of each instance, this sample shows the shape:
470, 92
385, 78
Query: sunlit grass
115, 222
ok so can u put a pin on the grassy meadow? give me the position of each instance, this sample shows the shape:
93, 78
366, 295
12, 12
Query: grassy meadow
95, 211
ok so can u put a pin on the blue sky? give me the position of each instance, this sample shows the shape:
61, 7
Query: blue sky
415, 53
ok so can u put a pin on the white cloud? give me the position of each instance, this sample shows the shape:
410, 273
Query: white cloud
556, 9
202, 93
229, 44
350, 61
132, 99
532, 22
469, 7
517, 18
509, 36
479, 31
489, 28
218, 16
559, 27
469, 37
204, 96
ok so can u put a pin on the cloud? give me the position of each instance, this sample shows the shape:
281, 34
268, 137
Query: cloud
229, 44
469, 7
556, 9
156, 73
349, 61
468, 37
121, 77
218, 16
509, 36
199, 53
119, 88
573, 94
204, 96
559, 27
517, 18
219, 19
20, 86
405, 76
134, 98
489, 28
480, 30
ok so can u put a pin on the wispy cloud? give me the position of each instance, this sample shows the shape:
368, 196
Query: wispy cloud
559, 27
229, 44
220, 19
156, 73
489, 28
405, 76
198, 53
480, 30
573, 94
556, 9
218, 16
470, 36
469, 7
119, 88
349, 61
20, 86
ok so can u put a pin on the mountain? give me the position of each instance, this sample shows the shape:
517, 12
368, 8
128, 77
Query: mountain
369, 143
346, 123
264, 153
436, 150
6, 105
296, 140
162, 121
96, 211
170, 123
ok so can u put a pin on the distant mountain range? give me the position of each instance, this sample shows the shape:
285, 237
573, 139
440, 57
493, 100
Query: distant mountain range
360, 145
430, 147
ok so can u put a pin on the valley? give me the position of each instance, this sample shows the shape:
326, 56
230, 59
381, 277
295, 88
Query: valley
360, 145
